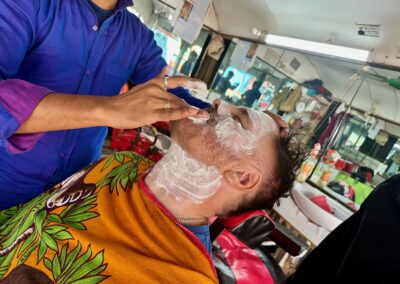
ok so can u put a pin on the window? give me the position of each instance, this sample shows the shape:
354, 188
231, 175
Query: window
358, 159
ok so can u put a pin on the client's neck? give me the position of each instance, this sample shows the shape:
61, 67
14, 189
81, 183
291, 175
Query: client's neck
184, 185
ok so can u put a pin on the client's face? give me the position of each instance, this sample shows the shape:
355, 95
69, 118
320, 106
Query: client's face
232, 132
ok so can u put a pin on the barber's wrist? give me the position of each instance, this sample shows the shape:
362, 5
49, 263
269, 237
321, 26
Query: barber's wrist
104, 111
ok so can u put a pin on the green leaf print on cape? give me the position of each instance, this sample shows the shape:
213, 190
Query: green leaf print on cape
131, 167
37, 225
77, 266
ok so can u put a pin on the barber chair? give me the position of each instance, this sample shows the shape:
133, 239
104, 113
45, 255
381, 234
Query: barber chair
242, 250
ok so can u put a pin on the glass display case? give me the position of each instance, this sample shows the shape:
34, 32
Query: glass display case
348, 164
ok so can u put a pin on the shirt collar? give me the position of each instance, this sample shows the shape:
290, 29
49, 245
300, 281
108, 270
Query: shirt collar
123, 4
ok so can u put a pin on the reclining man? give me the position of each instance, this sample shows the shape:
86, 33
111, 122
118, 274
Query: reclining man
122, 219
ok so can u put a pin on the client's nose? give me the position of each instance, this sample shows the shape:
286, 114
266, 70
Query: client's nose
222, 108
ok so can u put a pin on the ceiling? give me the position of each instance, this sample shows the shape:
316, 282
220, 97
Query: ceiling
324, 21
332, 21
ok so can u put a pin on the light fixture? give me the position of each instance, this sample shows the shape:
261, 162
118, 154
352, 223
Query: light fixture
318, 47
256, 32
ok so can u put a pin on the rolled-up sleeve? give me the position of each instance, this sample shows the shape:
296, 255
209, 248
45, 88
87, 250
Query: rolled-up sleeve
18, 98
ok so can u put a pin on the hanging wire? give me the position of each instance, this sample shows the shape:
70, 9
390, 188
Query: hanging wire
397, 103
369, 92
337, 127
349, 85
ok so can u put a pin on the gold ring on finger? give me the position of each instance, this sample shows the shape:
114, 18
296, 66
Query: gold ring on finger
166, 77
167, 105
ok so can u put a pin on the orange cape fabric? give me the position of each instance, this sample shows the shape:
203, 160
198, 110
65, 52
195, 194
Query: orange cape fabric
119, 233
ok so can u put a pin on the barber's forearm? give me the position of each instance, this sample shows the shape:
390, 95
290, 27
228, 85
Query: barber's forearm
64, 112
142, 105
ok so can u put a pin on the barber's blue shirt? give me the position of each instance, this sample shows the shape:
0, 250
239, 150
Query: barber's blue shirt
101, 13
59, 45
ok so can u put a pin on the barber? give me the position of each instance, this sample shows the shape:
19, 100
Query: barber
62, 64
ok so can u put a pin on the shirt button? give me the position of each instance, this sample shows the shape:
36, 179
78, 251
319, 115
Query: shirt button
95, 28
62, 155
88, 72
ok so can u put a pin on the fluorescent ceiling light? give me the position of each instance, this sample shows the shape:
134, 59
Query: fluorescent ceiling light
317, 47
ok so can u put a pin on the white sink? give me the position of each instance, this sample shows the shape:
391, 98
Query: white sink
302, 193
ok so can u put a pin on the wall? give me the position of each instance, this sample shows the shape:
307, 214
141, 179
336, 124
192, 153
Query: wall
306, 71
211, 20
392, 129
145, 9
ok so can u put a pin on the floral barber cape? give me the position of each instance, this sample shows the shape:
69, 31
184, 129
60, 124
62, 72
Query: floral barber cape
101, 225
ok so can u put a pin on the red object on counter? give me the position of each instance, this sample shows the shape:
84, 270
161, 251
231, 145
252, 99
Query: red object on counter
340, 165
349, 167
321, 201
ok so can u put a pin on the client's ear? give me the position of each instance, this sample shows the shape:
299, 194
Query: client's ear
245, 177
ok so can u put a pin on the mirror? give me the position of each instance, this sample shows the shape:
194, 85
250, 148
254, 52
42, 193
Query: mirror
351, 109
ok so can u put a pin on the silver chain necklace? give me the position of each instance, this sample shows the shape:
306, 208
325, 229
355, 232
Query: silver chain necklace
192, 220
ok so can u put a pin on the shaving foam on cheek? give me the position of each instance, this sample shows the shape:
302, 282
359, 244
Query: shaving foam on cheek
262, 122
183, 177
231, 134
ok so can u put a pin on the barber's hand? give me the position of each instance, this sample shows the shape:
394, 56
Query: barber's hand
150, 102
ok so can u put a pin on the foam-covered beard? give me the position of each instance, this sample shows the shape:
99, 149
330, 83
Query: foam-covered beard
232, 136
185, 178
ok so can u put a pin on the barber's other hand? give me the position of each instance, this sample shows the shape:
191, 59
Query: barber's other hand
148, 103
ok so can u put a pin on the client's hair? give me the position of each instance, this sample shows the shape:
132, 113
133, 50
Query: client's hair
291, 153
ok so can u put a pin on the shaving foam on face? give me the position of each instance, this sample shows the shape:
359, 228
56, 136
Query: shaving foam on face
233, 136
196, 85
198, 88
183, 177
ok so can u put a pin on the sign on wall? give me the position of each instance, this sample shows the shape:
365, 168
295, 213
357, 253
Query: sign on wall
191, 19
244, 54
271, 56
